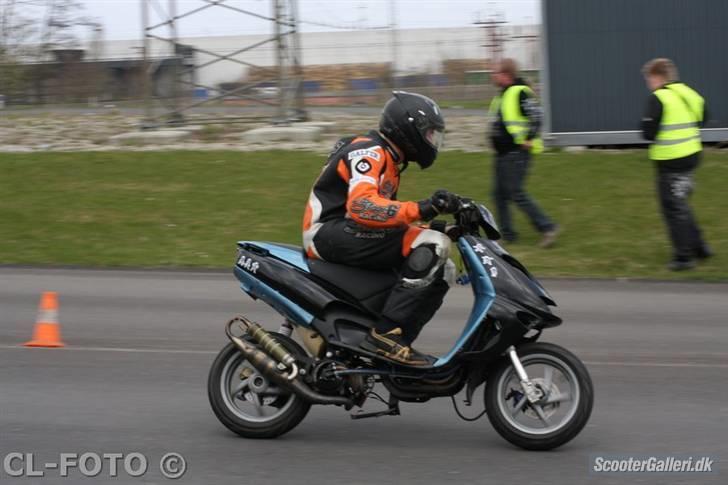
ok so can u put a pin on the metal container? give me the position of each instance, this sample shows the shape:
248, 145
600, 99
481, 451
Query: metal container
593, 90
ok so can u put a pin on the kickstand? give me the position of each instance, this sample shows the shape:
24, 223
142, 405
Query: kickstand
393, 410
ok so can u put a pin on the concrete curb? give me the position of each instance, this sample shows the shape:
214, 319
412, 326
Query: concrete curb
273, 134
157, 137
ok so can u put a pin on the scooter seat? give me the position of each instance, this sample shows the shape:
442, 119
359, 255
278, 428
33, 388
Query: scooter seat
362, 284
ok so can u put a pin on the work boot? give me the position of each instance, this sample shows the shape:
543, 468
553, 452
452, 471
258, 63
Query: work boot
391, 345
548, 238
681, 264
704, 252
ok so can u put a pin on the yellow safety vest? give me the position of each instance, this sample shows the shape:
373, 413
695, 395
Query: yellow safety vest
515, 122
679, 132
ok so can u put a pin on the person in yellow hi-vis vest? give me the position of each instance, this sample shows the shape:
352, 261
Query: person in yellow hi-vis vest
675, 112
514, 132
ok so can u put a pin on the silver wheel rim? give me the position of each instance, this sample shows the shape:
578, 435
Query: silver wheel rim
253, 398
559, 404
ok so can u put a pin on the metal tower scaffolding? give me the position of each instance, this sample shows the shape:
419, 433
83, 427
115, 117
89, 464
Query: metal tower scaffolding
495, 39
179, 69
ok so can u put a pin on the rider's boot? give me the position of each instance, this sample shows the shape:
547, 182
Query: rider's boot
392, 346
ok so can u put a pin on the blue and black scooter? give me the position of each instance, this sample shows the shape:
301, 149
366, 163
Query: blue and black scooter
537, 395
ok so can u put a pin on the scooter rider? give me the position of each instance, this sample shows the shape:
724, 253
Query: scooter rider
353, 218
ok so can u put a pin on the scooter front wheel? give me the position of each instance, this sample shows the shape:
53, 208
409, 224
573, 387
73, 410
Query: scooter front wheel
567, 397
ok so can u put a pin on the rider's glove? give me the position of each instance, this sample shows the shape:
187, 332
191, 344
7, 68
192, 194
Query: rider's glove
445, 202
441, 202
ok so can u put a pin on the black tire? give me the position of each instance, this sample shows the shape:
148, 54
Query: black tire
570, 428
273, 428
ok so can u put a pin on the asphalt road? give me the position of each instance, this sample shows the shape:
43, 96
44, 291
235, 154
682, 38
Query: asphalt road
140, 344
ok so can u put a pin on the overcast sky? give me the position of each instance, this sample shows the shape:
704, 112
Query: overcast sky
122, 18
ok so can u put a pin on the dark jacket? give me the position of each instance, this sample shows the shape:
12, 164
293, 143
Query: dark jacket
501, 140
650, 127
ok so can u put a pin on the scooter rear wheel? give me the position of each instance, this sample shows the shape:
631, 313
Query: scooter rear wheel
561, 413
246, 402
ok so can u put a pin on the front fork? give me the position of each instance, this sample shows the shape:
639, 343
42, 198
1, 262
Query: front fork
533, 394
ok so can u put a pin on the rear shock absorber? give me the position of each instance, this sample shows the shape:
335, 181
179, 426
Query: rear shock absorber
286, 328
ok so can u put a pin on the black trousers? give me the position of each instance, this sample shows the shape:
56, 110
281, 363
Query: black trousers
511, 171
346, 242
674, 189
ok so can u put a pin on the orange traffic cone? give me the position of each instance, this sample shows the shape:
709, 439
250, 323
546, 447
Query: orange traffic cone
47, 331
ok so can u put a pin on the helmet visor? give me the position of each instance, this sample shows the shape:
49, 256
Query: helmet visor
435, 138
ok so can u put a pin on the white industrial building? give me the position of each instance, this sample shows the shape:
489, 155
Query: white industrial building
417, 51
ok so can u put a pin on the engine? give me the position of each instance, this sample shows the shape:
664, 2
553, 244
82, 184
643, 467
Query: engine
327, 378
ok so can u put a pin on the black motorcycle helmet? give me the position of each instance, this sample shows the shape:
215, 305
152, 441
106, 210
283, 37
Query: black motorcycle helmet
415, 124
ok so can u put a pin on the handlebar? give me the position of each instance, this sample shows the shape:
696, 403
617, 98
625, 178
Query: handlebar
471, 217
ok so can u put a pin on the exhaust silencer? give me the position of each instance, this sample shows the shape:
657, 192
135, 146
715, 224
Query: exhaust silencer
273, 366
271, 346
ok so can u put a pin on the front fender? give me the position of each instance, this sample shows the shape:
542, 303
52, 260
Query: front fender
505, 310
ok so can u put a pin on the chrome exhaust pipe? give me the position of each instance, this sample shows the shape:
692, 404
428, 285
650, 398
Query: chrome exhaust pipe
272, 369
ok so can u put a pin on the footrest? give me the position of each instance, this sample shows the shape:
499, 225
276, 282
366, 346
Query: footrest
388, 412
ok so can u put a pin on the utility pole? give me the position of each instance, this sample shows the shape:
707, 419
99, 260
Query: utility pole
394, 41
177, 59
494, 38
290, 71
280, 59
145, 70
298, 104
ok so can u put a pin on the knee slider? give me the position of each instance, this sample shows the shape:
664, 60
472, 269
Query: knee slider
430, 251
420, 262
439, 241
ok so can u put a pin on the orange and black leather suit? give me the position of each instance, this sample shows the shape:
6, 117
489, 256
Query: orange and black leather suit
353, 217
